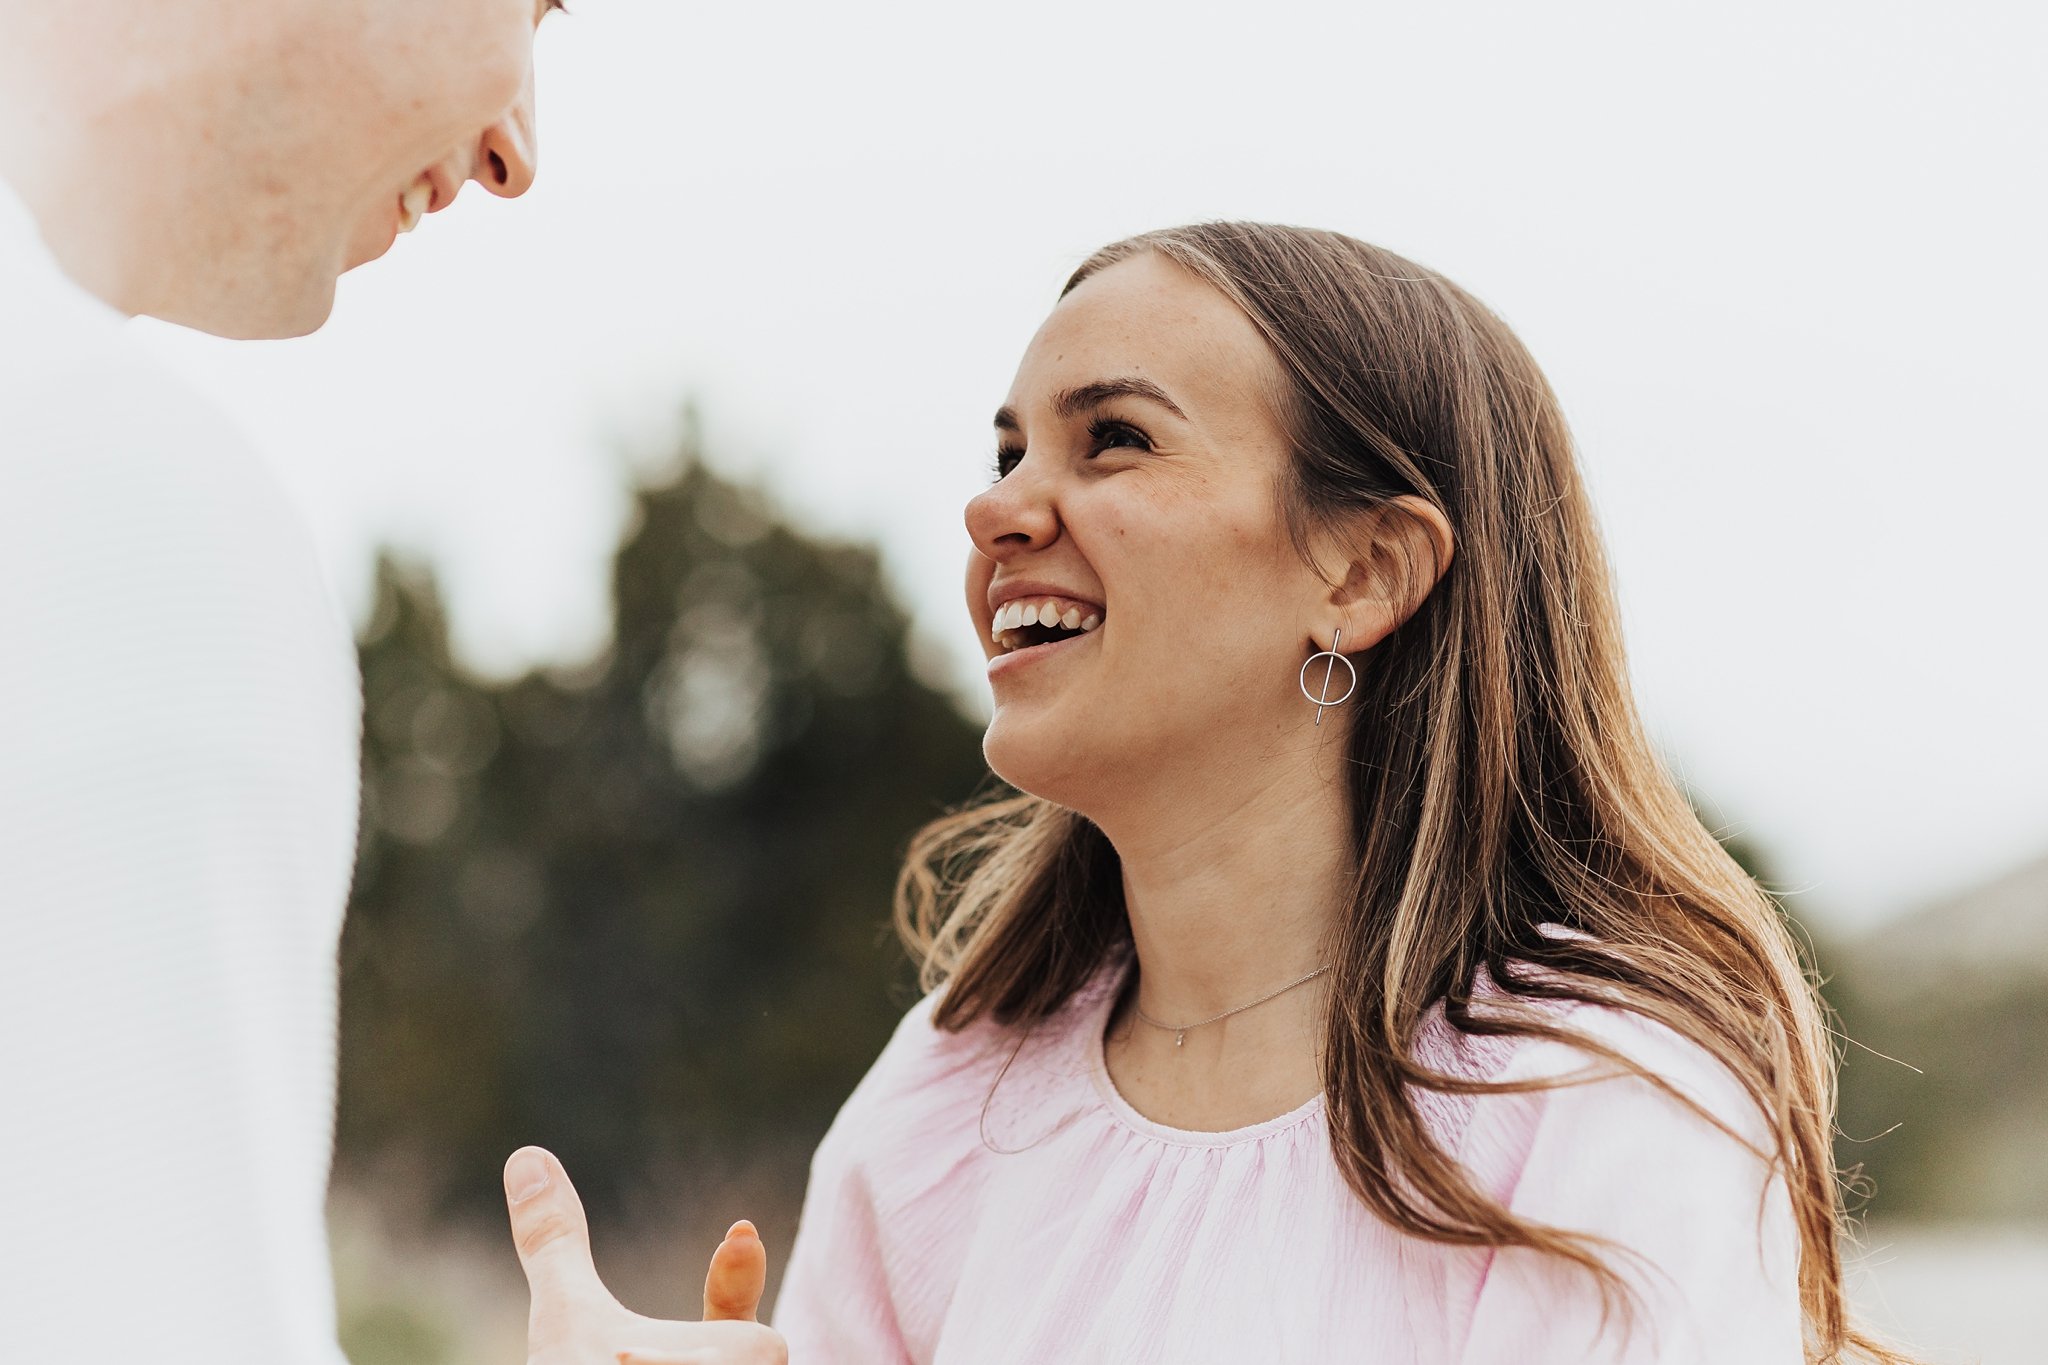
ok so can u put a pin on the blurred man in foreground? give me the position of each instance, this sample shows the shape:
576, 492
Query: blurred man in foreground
179, 704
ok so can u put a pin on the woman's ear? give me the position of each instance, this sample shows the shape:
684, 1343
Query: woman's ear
1389, 561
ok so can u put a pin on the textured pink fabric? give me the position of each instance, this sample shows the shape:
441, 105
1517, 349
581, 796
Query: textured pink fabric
965, 1213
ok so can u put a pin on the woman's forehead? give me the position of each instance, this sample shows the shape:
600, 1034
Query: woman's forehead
1147, 317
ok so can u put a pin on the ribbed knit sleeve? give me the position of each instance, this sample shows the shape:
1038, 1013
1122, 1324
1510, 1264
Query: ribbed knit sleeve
179, 715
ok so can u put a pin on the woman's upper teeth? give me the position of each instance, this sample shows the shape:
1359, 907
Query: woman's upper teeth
1044, 611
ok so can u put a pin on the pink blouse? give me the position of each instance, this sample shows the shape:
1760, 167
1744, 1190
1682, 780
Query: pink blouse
962, 1214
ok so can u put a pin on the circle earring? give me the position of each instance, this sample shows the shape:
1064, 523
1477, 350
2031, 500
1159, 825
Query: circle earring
1329, 671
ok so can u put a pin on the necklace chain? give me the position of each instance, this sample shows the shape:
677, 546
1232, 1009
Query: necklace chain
1180, 1031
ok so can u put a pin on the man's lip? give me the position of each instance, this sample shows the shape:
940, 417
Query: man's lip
446, 187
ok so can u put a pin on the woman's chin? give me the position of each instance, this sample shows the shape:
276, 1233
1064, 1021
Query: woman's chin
1035, 760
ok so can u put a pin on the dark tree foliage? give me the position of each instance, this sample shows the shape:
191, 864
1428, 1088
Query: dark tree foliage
637, 914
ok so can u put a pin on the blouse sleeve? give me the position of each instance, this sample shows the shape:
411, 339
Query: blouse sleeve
1698, 1227
837, 1304
834, 1306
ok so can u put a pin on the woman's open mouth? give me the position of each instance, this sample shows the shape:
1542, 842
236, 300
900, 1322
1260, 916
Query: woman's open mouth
1028, 622
1035, 627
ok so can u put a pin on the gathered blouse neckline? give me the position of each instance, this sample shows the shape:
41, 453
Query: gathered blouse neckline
1094, 1024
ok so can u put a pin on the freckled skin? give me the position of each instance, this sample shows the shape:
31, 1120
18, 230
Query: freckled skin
1209, 609
1178, 727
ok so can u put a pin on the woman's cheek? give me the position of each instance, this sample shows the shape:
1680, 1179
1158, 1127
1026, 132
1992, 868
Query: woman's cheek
980, 573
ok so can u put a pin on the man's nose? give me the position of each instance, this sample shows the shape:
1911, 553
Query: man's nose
508, 155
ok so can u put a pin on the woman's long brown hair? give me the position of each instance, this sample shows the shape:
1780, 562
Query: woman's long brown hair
1500, 778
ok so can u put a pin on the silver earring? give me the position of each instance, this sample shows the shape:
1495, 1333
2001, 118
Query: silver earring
1329, 671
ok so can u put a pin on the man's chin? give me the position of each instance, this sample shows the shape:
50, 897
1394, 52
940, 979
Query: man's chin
257, 318
373, 237
374, 251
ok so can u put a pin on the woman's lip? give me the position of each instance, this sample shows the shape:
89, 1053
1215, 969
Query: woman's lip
1018, 658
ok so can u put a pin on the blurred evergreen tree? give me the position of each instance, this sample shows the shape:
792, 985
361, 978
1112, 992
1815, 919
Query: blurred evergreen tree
637, 913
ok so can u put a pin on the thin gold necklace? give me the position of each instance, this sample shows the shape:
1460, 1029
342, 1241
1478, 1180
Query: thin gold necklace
1180, 1031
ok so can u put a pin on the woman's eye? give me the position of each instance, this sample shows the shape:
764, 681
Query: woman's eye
1108, 435
1102, 435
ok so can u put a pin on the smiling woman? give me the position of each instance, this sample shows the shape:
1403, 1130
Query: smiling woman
1441, 1031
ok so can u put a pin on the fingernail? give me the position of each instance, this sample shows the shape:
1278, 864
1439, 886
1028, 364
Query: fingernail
526, 1175
742, 1226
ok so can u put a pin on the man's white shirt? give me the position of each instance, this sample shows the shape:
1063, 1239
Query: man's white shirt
179, 723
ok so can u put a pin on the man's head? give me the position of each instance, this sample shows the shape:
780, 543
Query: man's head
219, 163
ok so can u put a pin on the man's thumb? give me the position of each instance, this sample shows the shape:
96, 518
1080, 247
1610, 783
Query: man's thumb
738, 1278
551, 1233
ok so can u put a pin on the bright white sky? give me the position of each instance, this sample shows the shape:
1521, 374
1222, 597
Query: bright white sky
1783, 261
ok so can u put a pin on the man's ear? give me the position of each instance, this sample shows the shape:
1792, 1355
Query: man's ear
1387, 561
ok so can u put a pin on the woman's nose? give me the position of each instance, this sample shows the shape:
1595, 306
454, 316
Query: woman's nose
1013, 515
507, 155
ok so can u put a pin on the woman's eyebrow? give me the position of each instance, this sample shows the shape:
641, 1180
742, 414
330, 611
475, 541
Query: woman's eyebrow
1084, 397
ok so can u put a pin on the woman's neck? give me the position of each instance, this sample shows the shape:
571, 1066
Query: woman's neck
1232, 888
1234, 892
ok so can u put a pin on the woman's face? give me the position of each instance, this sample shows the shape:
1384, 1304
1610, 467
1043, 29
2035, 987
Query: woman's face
1141, 459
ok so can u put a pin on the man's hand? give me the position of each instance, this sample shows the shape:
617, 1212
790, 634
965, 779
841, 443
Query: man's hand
576, 1321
